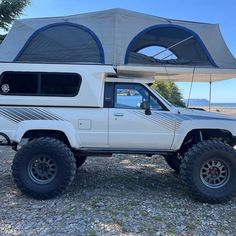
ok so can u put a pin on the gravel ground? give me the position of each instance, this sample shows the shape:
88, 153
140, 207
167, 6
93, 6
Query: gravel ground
119, 195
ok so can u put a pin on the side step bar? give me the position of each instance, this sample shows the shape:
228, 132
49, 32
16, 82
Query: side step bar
109, 151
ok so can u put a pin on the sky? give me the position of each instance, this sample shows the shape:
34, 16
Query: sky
211, 11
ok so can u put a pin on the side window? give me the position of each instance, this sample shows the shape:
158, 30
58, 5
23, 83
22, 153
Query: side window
131, 96
19, 83
154, 104
128, 96
55, 84
40, 84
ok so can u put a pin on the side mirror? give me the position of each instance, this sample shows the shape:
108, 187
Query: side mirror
145, 105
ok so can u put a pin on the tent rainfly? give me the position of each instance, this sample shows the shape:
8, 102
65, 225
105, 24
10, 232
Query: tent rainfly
118, 37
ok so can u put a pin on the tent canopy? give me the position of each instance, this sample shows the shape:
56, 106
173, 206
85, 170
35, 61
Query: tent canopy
117, 37
177, 74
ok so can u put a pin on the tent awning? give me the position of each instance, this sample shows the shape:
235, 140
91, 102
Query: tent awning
177, 74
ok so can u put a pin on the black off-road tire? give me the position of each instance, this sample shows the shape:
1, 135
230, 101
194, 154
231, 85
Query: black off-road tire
208, 181
79, 160
174, 162
43, 168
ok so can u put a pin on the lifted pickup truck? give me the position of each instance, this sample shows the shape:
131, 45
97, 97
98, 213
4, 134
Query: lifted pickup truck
55, 115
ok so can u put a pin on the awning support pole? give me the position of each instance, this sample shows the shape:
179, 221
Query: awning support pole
190, 90
210, 94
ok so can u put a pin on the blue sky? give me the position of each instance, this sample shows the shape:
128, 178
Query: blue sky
212, 11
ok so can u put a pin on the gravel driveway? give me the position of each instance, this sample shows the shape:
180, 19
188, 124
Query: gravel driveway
119, 195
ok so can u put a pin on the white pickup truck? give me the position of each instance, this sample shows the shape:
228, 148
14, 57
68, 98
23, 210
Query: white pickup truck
64, 113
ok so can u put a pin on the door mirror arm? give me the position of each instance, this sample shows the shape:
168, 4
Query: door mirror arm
145, 105
148, 112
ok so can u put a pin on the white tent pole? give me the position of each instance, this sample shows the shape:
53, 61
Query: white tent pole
190, 90
167, 56
210, 84
182, 41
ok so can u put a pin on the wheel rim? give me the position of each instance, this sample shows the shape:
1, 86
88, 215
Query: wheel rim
42, 169
214, 173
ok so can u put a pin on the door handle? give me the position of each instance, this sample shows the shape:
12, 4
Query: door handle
118, 114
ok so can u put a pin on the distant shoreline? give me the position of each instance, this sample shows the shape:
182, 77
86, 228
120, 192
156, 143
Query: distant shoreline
221, 109
205, 103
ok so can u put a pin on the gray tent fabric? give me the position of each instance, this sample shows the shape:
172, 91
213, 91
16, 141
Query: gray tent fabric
62, 43
115, 37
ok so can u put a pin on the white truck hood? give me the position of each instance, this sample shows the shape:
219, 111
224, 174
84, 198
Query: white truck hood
204, 115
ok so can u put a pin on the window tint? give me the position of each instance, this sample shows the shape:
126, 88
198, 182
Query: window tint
19, 83
40, 84
131, 96
59, 84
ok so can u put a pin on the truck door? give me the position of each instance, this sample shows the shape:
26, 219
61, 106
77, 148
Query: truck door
129, 126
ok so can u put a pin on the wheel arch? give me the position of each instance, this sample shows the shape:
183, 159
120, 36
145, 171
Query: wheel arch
197, 135
62, 130
37, 133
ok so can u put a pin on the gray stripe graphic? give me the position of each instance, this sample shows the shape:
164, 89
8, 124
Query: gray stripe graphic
9, 117
168, 124
20, 114
172, 121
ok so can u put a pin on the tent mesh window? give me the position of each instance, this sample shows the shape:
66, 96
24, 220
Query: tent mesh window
186, 47
62, 43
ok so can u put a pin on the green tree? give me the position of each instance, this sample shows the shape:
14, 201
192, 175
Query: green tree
9, 11
170, 91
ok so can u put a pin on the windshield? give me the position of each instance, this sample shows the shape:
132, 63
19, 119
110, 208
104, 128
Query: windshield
159, 95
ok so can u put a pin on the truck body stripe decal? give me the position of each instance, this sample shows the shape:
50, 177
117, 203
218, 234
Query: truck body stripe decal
172, 121
17, 115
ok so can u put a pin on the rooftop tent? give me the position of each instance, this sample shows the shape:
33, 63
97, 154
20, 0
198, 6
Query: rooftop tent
119, 37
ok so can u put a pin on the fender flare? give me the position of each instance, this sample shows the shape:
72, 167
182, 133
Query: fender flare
63, 126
